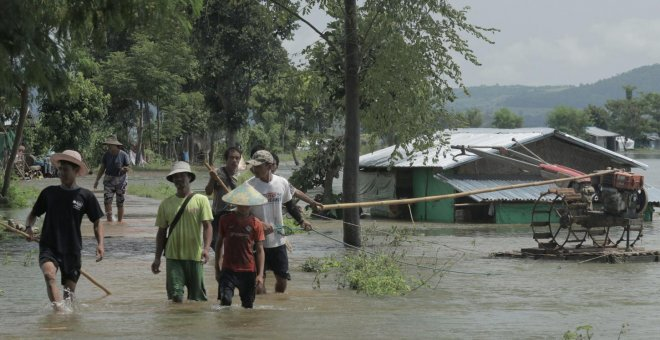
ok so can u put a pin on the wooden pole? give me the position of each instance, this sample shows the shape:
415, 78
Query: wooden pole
215, 177
84, 273
461, 194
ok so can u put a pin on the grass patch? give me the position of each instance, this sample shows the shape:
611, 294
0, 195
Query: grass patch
161, 191
382, 270
20, 195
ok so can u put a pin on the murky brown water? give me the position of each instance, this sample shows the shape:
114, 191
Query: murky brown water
520, 299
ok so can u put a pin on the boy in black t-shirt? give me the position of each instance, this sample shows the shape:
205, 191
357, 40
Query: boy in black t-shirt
61, 242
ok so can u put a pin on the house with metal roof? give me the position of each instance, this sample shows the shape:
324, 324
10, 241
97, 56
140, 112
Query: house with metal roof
449, 167
602, 137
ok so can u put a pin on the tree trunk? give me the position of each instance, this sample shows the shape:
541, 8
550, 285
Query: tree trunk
328, 195
352, 234
212, 146
295, 158
231, 137
191, 149
140, 128
158, 148
9, 170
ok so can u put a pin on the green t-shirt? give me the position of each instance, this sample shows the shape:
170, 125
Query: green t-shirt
186, 241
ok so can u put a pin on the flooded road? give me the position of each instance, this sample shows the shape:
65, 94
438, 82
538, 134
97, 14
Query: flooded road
479, 298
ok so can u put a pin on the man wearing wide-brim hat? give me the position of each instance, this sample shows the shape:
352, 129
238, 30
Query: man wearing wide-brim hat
114, 167
239, 233
60, 241
187, 246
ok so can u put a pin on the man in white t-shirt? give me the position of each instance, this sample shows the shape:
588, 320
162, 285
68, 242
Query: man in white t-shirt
277, 190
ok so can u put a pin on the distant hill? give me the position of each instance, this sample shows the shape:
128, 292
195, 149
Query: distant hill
534, 102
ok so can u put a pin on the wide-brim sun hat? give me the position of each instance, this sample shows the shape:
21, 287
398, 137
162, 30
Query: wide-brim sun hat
71, 156
112, 140
179, 167
246, 195
261, 157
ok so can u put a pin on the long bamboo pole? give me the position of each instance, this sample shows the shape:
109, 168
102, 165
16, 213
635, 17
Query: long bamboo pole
84, 273
461, 194
215, 177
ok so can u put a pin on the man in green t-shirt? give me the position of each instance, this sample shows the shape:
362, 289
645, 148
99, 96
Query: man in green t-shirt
187, 248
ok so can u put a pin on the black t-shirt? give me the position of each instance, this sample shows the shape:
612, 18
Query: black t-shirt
64, 211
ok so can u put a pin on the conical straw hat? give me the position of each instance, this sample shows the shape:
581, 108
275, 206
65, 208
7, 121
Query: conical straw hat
245, 194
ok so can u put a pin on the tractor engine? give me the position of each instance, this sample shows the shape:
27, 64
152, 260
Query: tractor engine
622, 194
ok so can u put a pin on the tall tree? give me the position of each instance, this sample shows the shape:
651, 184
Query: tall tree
68, 117
506, 119
238, 44
149, 73
627, 115
569, 120
470, 118
599, 116
398, 70
36, 36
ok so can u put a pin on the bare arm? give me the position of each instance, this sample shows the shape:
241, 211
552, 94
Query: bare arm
209, 186
160, 245
99, 233
302, 196
98, 176
208, 232
218, 255
260, 263
29, 222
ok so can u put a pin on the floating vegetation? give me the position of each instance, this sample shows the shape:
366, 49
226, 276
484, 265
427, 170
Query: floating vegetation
383, 269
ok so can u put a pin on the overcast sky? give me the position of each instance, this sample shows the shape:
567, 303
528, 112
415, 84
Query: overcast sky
551, 42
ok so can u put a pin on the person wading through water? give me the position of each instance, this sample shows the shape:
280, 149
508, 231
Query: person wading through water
188, 218
228, 175
114, 165
277, 191
60, 243
239, 254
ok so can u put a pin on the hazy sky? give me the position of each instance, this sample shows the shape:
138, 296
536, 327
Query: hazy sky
551, 42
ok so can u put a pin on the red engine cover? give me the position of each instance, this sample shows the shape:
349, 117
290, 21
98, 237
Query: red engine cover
627, 181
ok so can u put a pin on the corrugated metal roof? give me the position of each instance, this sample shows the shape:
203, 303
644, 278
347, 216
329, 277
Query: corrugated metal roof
617, 157
448, 158
598, 132
471, 183
653, 194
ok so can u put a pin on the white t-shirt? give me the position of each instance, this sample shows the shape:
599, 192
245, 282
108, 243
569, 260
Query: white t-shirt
278, 192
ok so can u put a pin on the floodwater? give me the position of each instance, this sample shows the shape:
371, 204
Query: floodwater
480, 297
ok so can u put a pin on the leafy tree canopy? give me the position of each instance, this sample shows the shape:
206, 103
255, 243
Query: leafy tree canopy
505, 119
569, 120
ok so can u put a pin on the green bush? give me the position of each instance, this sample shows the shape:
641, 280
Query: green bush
20, 195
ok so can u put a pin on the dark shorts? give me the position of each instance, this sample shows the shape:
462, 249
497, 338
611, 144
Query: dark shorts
277, 260
244, 281
68, 264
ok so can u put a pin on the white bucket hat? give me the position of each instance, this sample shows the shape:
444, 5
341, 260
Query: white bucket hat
245, 194
71, 156
179, 167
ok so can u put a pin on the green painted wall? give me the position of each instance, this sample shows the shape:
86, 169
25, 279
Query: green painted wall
514, 213
424, 184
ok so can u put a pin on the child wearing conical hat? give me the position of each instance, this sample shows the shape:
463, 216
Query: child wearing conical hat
239, 233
